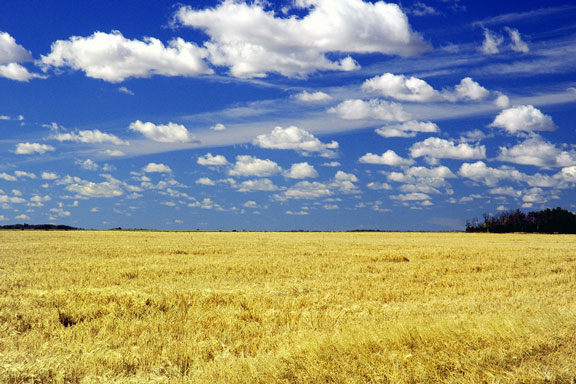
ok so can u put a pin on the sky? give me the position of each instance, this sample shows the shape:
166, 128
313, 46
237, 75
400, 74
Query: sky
285, 115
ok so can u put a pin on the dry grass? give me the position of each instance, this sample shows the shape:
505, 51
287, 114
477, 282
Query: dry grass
145, 307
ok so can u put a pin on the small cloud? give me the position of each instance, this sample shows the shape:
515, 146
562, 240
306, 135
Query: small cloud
33, 148
156, 168
517, 45
297, 213
168, 133
491, 43
523, 118
205, 181
114, 153
296, 139
125, 91
314, 97
301, 171
252, 166
218, 127
22, 217
211, 160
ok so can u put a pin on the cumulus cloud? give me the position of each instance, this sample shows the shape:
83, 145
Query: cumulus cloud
408, 129
112, 57
87, 189
296, 139
298, 46
301, 171
251, 166
491, 43
415, 196
523, 118
49, 176
305, 190
90, 136
402, 88
206, 181
437, 148
18, 72
357, 109
468, 89
218, 127
491, 177
387, 158
169, 133
7, 177
33, 148
257, 185
156, 168
314, 97
379, 186
517, 44
211, 160
536, 151
10, 51
502, 101
568, 174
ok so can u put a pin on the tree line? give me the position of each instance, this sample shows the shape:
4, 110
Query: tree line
555, 220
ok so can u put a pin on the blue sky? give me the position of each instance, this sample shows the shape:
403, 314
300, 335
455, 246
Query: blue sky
300, 114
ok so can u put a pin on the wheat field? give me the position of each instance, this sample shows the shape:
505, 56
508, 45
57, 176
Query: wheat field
210, 307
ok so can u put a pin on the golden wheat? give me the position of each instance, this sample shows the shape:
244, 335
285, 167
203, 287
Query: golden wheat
154, 307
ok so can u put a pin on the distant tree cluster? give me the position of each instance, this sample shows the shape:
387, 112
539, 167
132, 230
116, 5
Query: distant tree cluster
40, 227
555, 220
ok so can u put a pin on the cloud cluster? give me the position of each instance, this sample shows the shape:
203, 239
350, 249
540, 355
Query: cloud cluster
168, 133
403, 88
246, 166
33, 148
357, 109
11, 54
296, 139
90, 136
523, 118
387, 158
114, 58
408, 129
437, 148
295, 46
536, 151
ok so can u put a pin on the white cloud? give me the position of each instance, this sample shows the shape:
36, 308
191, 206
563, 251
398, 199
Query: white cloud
421, 9
218, 127
25, 174
331, 164
491, 43
257, 185
84, 188
297, 213
407, 129
156, 168
502, 101
296, 139
7, 177
49, 176
10, 51
468, 89
114, 152
32, 148
305, 190
379, 186
90, 136
535, 151
403, 88
437, 148
112, 57
15, 71
422, 177
210, 160
568, 174
357, 109
400, 87
314, 97
22, 217
387, 158
298, 46
480, 172
301, 171
169, 133
125, 91
415, 196
523, 118
517, 44
251, 166
206, 181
